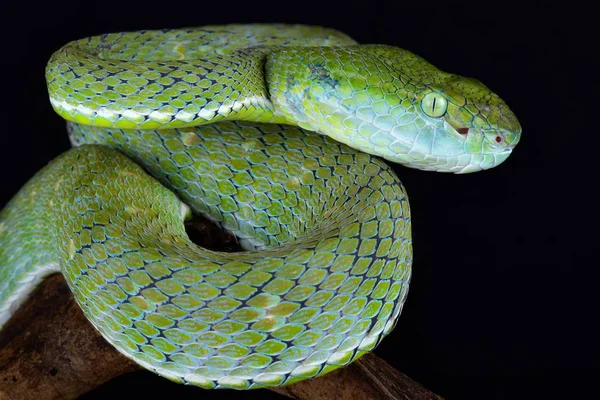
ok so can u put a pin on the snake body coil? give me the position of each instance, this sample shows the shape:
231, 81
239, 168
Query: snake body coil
217, 116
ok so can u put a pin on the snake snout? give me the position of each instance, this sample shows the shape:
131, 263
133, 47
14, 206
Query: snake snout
506, 140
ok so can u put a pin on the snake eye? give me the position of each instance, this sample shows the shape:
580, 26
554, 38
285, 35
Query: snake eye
434, 105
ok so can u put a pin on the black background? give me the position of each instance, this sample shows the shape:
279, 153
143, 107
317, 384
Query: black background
503, 300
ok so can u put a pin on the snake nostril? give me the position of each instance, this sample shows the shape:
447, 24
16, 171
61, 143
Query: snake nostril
463, 131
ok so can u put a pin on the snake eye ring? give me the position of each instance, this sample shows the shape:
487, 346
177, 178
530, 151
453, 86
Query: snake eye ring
434, 105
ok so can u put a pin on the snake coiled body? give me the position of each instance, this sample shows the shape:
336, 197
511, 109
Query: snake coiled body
272, 131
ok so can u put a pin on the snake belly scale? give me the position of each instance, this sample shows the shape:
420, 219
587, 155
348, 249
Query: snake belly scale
275, 133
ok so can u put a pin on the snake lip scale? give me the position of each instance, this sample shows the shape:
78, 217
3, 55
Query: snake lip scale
276, 133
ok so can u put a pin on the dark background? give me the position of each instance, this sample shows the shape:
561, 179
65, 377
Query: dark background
502, 303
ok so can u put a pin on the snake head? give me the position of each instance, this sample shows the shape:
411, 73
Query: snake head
470, 122
392, 103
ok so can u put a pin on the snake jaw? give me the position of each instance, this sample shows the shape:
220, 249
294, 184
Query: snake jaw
445, 148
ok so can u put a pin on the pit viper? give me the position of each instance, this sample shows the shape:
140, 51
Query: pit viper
278, 134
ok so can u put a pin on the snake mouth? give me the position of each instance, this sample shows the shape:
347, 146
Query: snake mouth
501, 156
484, 161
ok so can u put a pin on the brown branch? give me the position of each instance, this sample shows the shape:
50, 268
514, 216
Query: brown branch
369, 377
49, 351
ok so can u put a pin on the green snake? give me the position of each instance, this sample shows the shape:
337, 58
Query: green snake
275, 132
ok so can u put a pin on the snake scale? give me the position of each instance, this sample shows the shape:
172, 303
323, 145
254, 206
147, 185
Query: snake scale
276, 133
